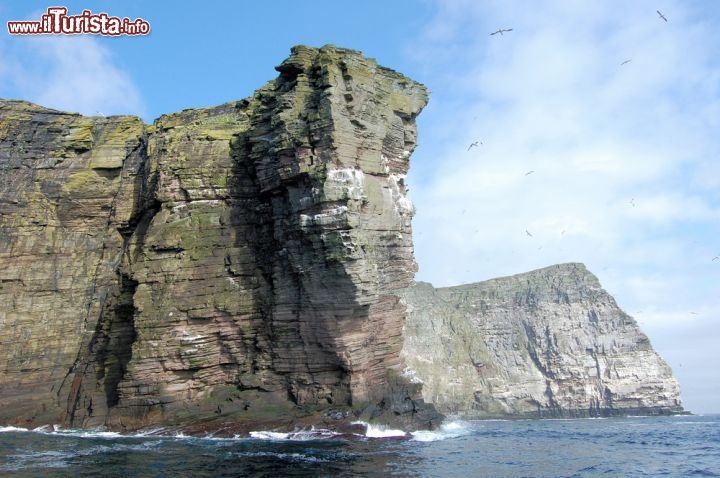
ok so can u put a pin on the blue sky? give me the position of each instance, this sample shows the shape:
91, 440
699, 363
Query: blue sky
624, 157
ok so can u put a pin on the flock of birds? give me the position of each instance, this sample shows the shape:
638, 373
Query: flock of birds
501, 31
476, 144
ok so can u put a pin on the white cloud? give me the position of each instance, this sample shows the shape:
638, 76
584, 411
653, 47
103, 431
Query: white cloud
625, 157
71, 73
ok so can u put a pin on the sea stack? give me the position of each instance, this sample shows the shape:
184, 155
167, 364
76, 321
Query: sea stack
230, 264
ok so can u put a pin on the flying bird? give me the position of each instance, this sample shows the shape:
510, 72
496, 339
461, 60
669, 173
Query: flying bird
529, 173
501, 30
632, 201
661, 15
474, 144
625, 62
715, 258
528, 233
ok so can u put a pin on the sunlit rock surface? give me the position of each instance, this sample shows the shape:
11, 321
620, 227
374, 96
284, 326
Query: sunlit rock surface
546, 343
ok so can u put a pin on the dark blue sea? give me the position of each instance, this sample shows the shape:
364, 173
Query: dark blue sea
680, 446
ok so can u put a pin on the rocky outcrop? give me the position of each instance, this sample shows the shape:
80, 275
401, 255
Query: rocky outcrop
547, 343
233, 263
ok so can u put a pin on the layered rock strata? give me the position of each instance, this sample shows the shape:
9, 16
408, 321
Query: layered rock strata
233, 263
547, 343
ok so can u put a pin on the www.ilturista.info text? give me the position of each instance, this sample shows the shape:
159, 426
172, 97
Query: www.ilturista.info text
57, 21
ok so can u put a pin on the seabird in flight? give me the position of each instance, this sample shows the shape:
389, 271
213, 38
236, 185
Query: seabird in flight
625, 62
661, 15
528, 233
474, 144
501, 30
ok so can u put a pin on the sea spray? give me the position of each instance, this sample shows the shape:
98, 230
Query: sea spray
380, 431
447, 430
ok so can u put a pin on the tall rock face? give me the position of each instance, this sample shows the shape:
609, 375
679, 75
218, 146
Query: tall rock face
236, 262
68, 186
547, 343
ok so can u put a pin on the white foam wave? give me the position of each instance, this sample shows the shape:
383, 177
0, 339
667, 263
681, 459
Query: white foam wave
150, 432
447, 430
58, 430
300, 435
265, 435
380, 431
12, 429
92, 434
80, 433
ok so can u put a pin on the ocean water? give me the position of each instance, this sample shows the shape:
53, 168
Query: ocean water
680, 446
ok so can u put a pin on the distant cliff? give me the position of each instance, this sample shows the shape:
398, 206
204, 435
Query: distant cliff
231, 264
546, 343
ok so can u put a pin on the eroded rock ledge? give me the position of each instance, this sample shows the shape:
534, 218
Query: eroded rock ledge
235, 264
546, 343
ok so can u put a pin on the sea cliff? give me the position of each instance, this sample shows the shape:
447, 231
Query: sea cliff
251, 264
546, 343
231, 264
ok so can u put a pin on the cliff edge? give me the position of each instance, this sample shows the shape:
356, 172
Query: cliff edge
226, 265
546, 343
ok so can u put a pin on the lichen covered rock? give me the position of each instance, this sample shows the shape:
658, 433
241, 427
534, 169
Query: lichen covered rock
68, 186
230, 263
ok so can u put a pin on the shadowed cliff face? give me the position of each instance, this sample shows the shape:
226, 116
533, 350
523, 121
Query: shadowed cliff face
236, 262
547, 343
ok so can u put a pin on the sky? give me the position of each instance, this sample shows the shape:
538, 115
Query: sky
597, 126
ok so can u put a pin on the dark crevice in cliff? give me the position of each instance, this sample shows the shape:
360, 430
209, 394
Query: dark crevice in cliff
248, 217
104, 363
120, 337
547, 348
145, 203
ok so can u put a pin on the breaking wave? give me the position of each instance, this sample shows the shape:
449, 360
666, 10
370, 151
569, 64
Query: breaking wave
453, 429
301, 435
380, 431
